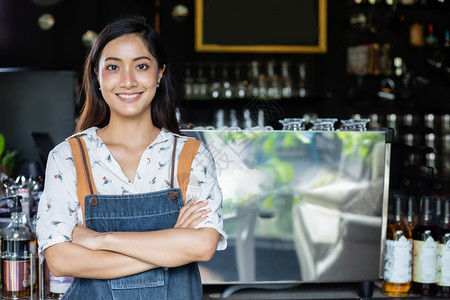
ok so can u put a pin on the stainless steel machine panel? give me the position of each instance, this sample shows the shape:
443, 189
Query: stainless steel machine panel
299, 206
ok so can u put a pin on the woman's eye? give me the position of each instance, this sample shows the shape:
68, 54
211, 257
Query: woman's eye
112, 67
142, 67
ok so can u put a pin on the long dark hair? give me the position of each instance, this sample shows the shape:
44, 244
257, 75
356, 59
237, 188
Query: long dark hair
95, 111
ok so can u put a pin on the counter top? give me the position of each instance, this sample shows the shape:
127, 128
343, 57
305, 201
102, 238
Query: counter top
302, 291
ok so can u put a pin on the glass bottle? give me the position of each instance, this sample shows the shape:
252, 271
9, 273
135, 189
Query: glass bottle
274, 81
15, 255
431, 40
58, 285
227, 90
286, 80
443, 252
253, 73
215, 84
424, 251
240, 85
302, 80
202, 82
26, 221
447, 39
262, 84
397, 268
412, 212
188, 81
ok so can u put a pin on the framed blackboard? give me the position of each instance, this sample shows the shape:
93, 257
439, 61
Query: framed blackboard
281, 26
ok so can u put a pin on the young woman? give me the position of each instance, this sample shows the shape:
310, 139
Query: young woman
138, 241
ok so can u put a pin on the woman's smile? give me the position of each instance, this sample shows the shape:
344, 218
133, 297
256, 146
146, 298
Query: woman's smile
129, 97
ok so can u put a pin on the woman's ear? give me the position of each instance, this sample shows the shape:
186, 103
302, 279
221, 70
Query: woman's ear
161, 71
98, 78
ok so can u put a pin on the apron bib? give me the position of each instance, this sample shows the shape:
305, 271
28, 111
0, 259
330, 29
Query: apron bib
135, 212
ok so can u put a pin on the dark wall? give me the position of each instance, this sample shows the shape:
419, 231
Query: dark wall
36, 101
332, 92
24, 44
325, 72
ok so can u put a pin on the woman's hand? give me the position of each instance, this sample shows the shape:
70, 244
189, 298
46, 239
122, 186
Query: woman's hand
191, 214
86, 237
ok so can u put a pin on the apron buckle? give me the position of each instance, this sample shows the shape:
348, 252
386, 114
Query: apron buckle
173, 195
93, 201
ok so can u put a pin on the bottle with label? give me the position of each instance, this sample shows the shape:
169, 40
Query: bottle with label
34, 274
443, 252
424, 251
397, 263
59, 285
16, 255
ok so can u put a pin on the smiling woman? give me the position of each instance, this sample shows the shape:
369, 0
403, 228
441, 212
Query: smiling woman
141, 228
145, 46
129, 76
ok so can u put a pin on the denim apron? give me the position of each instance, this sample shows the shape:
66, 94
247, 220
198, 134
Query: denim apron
138, 212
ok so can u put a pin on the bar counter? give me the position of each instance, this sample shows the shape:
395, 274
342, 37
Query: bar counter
323, 291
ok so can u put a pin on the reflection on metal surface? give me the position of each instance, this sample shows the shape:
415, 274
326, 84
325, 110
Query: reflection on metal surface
299, 206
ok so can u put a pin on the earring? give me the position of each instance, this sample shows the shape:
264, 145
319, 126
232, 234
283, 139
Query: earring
157, 84
100, 88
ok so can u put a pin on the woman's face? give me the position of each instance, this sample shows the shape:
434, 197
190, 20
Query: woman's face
128, 75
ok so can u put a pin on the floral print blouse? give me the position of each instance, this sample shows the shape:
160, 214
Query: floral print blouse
59, 209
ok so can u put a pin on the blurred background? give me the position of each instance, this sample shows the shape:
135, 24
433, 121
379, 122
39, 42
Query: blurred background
386, 60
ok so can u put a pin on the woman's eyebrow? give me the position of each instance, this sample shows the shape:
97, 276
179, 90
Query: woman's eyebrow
134, 59
142, 57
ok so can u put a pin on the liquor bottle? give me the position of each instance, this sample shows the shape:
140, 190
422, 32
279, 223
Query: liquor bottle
302, 80
397, 268
200, 86
443, 252
240, 85
15, 255
274, 87
215, 89
431, 40
412, 212
286, 88
424, 251
188, 81
447, 39
227, 91
253, 73
25, 220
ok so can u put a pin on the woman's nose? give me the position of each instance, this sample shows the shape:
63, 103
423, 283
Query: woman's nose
128, 79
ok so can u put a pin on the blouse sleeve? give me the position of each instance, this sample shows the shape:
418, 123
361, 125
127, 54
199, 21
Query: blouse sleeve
58, 207
203, 185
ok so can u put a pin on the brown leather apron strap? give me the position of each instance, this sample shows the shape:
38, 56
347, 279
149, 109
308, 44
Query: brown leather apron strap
85, 182
185, 160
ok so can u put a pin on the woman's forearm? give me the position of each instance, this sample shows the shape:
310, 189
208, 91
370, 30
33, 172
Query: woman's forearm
166, 248
70, 259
